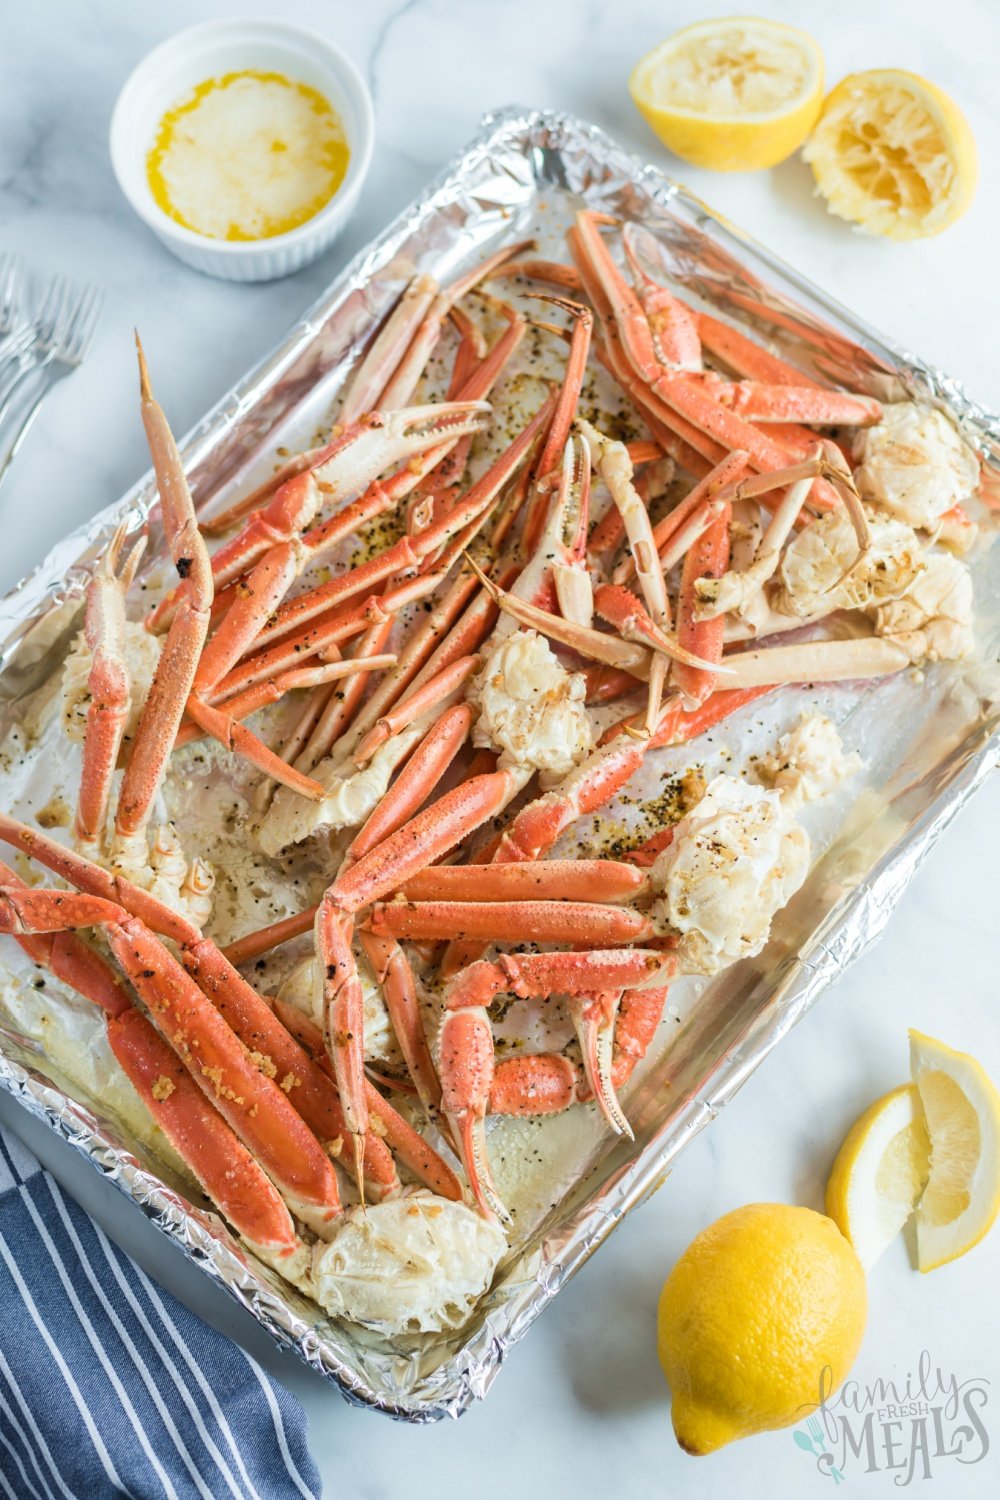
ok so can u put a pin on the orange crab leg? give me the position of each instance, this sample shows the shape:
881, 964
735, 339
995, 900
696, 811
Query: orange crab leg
672, 323
594, 1016
253, 1105
245, 949
341, 624
745, 356
395, 979
466, 1048
539, 1083
175, 670
222, 1165
683, 394
425, 838
562, 417
606, 880
534, 921
467, 1069
416, 780
338, 709
725, 472
708, 558
388, 347
419, 701
759, 402
430, 643
410, 368
108, 684
242, 705
539, 975
226, 1170
230, 733
408, 552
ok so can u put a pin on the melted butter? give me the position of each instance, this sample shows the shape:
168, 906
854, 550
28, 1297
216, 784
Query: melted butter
247, 156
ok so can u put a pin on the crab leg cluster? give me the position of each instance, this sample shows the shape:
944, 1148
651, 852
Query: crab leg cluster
457, 719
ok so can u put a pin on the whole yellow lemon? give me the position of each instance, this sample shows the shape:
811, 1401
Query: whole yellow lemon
759, 1306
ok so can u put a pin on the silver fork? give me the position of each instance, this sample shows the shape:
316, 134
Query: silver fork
15, 331
44, 331
66, 325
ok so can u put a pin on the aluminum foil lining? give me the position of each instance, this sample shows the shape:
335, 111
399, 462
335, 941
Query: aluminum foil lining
524, 169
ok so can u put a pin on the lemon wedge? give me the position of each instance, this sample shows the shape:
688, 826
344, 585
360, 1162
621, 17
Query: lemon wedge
893, 154
880, 1172
734, 95
962, 1110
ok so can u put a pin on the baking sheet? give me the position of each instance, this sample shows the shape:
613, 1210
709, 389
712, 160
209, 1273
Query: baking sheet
525, 173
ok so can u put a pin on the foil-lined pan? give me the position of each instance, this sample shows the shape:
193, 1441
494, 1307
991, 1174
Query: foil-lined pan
525, 168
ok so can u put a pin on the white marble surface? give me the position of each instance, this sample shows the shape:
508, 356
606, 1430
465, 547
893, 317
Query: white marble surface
582, 1408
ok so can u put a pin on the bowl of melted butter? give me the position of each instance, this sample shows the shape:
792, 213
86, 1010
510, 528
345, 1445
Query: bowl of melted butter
243, 145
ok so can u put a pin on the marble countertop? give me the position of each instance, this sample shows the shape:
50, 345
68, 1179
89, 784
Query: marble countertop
582, 1408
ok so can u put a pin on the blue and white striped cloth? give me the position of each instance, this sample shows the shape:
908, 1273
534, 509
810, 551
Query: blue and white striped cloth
109, 1386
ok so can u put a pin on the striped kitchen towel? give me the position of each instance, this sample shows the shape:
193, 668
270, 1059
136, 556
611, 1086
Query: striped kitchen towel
108, 1386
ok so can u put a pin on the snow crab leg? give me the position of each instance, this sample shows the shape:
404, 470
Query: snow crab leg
466, 1049
418, 843
284, 1068
229, 1174
109, 686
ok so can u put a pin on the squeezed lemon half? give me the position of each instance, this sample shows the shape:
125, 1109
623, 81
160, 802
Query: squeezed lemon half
893, 154
247, 156
734, 95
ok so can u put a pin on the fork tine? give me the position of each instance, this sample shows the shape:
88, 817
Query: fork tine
11, 290
82, 326
52, 313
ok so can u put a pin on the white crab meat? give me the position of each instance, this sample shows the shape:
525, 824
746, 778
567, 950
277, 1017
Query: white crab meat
735, 859
303, 988
160, 866
414, 1264
820, 570
932, 621
142, 652
915, 463
352, 795
530, 708
809, 762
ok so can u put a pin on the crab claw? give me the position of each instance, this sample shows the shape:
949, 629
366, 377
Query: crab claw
390, 437
466, 1067
672, 323
594, 1017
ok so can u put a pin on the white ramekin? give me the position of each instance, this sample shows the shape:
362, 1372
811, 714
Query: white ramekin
167, 73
